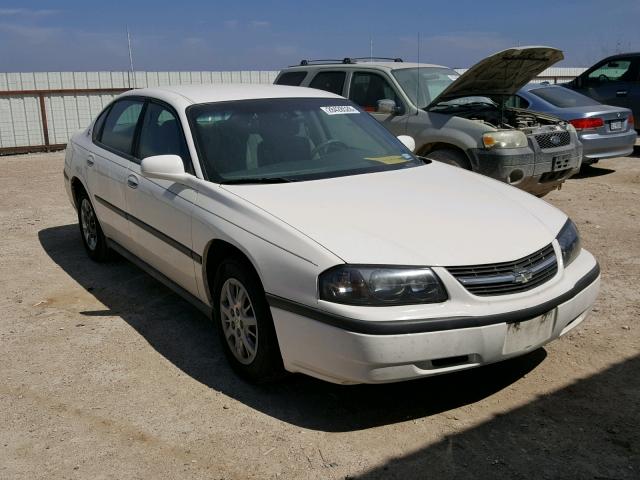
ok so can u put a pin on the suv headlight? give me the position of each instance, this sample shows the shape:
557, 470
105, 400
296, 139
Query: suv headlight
569, 241
380, 285
504, 139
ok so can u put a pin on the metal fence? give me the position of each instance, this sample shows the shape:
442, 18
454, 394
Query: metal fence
39, 111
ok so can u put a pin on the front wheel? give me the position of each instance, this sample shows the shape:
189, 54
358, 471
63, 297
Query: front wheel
450, 157
244, 322
95, 243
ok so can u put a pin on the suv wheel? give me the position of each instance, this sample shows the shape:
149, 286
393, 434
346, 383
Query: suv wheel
451, 157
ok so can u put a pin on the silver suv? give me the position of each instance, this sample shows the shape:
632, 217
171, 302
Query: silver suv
463, 119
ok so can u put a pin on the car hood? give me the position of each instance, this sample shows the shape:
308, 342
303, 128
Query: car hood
434, 215
503, 73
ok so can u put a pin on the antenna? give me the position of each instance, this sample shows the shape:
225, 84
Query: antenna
370, 47
418, 79
131, 71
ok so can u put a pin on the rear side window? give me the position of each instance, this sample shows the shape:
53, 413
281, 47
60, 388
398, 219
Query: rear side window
161, 134
293, 79
613, 70
120, 126
368, 88
329, 81
563, 97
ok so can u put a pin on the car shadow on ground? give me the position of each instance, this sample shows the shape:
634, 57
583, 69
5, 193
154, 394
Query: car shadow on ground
187, 339
589, 171
588, 429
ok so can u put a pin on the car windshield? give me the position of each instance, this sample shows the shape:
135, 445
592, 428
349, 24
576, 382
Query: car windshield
464, 103
563, 97
424, 84
292, 139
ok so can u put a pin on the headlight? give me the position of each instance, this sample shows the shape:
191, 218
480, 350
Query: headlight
504, 139
380, 285
569, 241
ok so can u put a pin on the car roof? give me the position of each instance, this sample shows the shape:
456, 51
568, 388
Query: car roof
620, 55
361, 65
533, 86
191, 94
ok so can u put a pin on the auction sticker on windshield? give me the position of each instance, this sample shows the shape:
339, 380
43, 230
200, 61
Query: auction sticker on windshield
339, 109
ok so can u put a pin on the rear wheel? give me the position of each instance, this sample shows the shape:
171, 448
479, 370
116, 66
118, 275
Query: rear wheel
244, 322
93, 239
450, 157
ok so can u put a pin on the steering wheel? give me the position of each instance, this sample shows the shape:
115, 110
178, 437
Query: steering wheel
603, 78
328, 146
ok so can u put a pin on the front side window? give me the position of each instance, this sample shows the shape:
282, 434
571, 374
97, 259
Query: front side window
292, 139
329, 82
611, 71
120, 125
423, 85
368, 88
161, 134
516, 101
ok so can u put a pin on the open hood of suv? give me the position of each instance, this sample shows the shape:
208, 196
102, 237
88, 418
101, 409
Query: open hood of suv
503, 73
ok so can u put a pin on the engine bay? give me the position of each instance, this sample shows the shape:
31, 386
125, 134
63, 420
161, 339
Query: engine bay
512, 118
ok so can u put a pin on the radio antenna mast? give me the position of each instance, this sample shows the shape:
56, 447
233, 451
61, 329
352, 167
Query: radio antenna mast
418, 78
370, 47
131, 71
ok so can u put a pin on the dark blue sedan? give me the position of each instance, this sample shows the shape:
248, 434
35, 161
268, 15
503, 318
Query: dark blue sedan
604, 130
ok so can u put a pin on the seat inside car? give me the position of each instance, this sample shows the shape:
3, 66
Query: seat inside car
281, 142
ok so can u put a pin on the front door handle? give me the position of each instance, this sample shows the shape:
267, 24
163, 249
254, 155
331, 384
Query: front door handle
132, 181
621, 93
90, 160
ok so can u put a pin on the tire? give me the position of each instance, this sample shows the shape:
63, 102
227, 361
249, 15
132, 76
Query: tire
243, 319
93, 239
450, 157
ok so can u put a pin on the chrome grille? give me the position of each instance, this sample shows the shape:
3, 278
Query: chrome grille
508, 277
553, 140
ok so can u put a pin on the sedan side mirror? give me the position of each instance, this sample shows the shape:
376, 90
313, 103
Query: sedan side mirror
387, 106
164, 167
408, 142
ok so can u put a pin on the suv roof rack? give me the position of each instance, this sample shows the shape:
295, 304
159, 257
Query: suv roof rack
345, 61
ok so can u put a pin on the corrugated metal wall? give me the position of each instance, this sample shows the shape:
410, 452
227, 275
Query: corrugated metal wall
21, 115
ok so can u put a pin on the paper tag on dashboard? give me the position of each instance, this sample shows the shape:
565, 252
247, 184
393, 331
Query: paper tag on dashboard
339, 109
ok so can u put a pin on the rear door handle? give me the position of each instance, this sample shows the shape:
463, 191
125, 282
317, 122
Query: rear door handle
621, 93
90, 160
132, 181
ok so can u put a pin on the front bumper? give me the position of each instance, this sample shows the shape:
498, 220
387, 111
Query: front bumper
597, 146
531, 168
350, 350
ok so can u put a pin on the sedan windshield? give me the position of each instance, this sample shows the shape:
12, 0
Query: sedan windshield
422, 85
292, 139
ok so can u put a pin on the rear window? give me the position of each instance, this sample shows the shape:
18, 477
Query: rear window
293, 79
329, 82
563, 97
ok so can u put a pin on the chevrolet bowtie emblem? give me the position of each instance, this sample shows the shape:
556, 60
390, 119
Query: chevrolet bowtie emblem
522, 276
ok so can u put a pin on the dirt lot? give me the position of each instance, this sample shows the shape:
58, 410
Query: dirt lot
106, 374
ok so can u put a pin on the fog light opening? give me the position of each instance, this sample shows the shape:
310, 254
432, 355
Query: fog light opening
515, 176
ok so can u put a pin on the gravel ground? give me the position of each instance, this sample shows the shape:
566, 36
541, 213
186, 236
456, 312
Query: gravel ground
106, 374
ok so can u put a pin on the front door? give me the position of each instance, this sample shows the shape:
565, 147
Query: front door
160, 210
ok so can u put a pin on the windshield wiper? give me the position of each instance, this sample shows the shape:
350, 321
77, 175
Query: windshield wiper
240, 181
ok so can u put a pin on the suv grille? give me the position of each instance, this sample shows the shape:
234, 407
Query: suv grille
553, 140
508, 277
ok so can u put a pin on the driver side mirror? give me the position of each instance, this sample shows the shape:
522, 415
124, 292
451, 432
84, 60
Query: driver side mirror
164, 167
387, 106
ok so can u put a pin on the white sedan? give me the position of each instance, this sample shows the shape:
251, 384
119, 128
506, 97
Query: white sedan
317, 241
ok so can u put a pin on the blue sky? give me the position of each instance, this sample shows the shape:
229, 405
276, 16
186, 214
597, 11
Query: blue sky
266, 35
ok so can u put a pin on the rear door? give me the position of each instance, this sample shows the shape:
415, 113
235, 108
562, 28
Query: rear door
614, 82
367, 88
107, 165
160, 210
